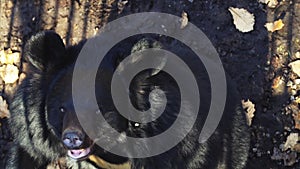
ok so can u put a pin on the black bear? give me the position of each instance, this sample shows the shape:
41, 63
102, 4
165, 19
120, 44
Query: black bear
46, 129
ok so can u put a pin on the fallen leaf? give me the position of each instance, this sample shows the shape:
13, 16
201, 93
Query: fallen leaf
278, 85
297, 119
297, 100
277, 82
9, 4
2, 55
297, 55
9, 73
242, 19
9, 57
274, 26
121, 5
249, 107
184, 20
4, 112
296, 147
291, 141
270, 3
295, 66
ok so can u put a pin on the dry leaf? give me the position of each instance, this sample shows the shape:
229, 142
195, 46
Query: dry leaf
9, 73
277, 82
278, 85
295, 66
297, 100
296, 147
184, 20
250, 109
291, 141
2, 55
9, 57
242, 19
4, 112
297, 55
270, 3
275, 26
9, 4
297, 120
121, 5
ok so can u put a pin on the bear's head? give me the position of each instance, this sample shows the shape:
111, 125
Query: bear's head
51, 68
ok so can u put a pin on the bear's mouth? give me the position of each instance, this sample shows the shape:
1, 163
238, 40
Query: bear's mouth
79, 153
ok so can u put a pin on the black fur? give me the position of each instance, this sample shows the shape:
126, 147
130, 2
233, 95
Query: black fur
37, 124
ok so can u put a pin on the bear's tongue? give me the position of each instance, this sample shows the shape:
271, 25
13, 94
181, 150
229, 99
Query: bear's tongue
76, 154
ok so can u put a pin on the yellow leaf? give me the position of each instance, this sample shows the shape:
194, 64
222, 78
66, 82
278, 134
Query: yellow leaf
9, 57
184, 20
291, 141
296, 117
275, 26
270, 3
9, 73
249, 107
242, 19
295, 66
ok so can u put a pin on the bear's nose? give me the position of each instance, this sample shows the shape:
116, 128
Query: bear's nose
72, 140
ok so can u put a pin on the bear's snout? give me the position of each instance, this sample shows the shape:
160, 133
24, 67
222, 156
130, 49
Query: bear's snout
75, 140
78, 146
72, 139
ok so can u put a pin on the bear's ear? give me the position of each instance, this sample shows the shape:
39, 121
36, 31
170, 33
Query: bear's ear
45, 50
148, 43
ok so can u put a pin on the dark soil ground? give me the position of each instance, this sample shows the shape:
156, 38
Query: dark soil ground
257, 61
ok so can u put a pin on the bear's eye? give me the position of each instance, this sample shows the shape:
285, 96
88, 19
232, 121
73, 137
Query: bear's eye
62, 109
